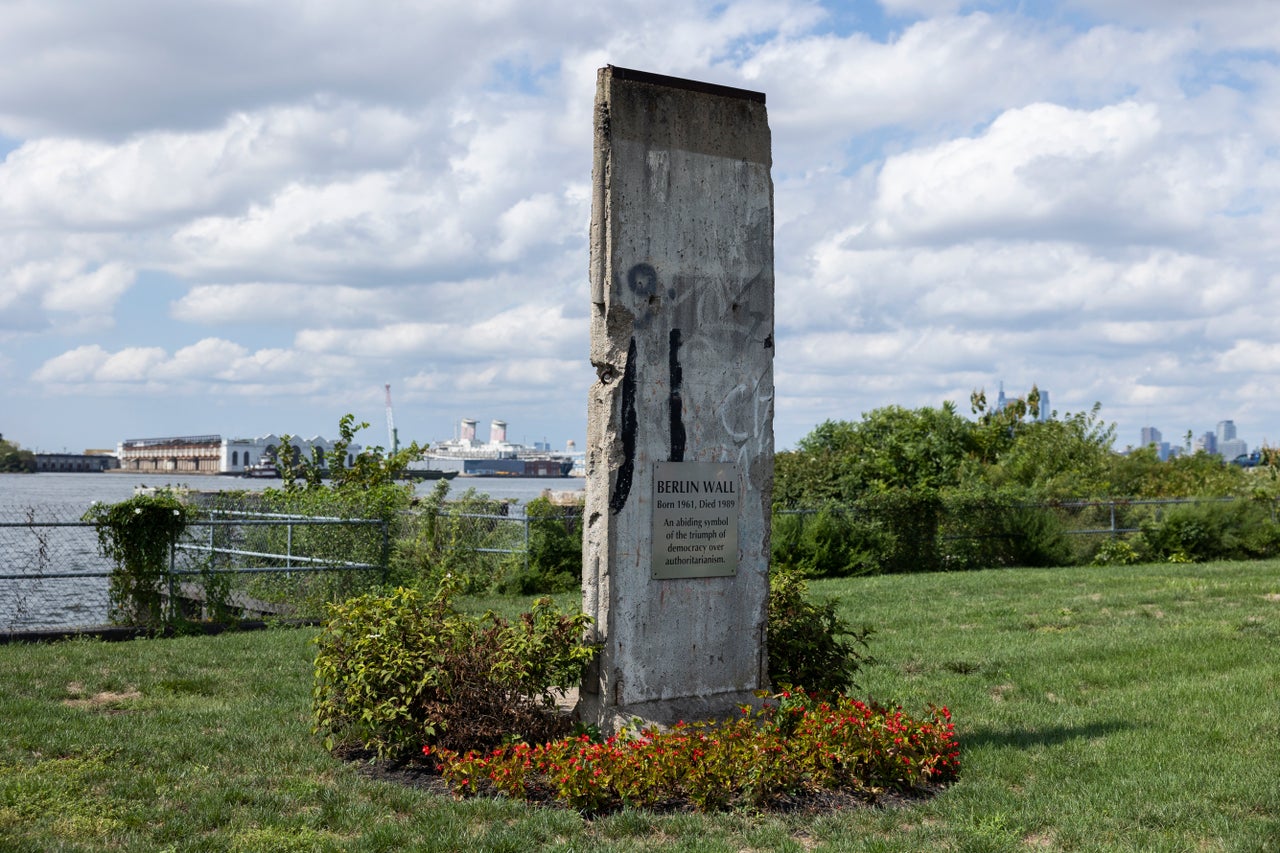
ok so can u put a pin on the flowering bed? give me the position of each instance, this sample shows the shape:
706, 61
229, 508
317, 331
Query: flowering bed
800, 745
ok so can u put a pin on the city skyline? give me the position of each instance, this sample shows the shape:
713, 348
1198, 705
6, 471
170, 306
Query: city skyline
249, 218
1223, 440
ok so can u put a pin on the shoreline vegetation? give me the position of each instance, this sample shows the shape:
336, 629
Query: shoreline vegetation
1097, 708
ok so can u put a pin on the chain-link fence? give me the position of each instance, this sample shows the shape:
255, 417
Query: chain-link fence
228, 564
240, 561
905, 532
492, 549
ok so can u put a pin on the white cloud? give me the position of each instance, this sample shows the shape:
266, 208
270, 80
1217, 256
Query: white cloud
277, 303
1083, 196
77, 365
1249, 24
65, 294
930, 8
530, 223
156, 176
1250, 356
526, 379
132, 364
213, 365
211, 357
374, 220
524, 332
90, 291
1035, 165
949, 73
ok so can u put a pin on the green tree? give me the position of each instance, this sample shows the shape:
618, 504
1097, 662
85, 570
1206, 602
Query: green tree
370, 486
1063, 457
1140, 473
370, 468
891, 448
15, 460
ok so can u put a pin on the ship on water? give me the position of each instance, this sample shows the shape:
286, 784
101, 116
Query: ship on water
498, 457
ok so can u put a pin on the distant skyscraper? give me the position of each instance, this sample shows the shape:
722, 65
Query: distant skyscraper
1232, 447
1208, 442
1000, 401
1226, 431
1046, 411
1150, 435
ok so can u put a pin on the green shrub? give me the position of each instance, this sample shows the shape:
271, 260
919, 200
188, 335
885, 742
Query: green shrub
395, 671
553, 562
910, 520
1036, 538
138, 536
269, 535
809, 644
1217, 530
987, 528
831, 542
1117, 552
465, 538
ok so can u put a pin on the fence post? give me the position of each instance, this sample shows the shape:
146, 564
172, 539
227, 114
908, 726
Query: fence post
386, 551
173, 556
288, 547
526, 543
1114, 535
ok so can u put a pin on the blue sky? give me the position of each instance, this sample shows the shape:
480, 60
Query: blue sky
246, 218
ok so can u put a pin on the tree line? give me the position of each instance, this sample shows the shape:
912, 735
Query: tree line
1011, 450
929, 489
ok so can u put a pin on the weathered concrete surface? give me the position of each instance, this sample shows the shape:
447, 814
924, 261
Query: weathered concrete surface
682, 342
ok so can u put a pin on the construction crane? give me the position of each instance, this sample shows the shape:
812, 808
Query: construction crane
393, 438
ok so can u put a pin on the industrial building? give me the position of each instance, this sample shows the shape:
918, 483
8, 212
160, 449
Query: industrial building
213, 454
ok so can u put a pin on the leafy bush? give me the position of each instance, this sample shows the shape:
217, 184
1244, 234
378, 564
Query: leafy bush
808, 643
138, 535
912, 520
1117, 552
1035, 536
554, 559
395, 670
803, 744
467, 538
829, 543
1218, 530
371, 467
15, 460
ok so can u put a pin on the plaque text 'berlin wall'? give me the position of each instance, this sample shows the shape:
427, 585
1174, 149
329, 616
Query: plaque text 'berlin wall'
695, 519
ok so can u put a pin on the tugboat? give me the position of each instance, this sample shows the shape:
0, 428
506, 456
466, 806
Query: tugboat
262, 469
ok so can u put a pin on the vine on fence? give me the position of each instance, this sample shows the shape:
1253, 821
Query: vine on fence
137, 535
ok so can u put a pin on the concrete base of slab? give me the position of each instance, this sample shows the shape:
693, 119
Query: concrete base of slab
660, 712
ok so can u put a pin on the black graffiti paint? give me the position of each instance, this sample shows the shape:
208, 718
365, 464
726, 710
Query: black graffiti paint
643, 280
630, 423
676, 381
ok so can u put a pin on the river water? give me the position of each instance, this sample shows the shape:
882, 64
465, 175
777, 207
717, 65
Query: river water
32, 550
72, 491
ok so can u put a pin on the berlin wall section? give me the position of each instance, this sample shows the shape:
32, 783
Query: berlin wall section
680, 419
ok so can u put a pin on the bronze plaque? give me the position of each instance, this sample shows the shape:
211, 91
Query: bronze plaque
695, 519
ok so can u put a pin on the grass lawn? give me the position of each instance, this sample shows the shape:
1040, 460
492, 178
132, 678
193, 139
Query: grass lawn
1132, 708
